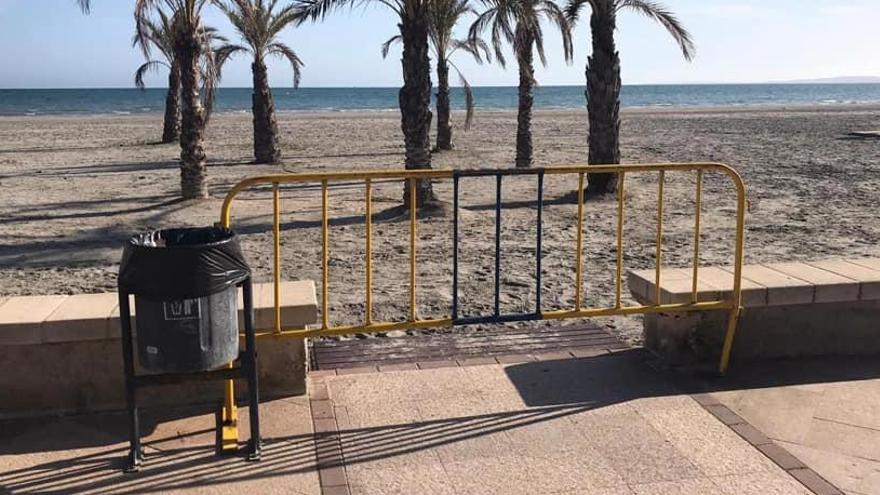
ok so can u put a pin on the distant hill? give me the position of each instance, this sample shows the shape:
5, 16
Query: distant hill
837, 80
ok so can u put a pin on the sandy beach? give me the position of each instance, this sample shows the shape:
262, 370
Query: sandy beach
74, 188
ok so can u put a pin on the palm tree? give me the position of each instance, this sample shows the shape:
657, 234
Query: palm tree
445, 14
518, 22
415, 95
259, 25
193, 53
159, 35
603, 77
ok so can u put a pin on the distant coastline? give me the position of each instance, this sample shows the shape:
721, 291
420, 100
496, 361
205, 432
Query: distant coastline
130, 101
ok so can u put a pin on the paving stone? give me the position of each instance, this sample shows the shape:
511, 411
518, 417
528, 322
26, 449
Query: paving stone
753, 293
333, 476
676, 286
553, 356
638, 283
872, 263
782, 289
477, 361
846, 472
750, 434
398, 367
356, 370
705, 399
427, 365
81, 317
814, 482
413, 479
829, 287
299, 306
21, 318
781, 456
777, 483
724, 414
705, 441
844, 439
854, 403
515, 358
636, 450
322, 409
784, 413
318, 391
868, 279
588, 352
680, 487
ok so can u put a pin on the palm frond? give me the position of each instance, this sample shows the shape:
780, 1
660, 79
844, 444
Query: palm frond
468, 98
478, 49
317, 10
386, 47
284, 51
84, 5
557, 16
658, 12
223, 53
149, 65
573, 9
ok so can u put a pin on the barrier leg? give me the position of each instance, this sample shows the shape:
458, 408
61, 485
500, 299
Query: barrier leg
253, 378
135, 452
726, 350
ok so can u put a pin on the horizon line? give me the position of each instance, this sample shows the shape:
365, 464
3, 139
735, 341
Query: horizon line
818, 82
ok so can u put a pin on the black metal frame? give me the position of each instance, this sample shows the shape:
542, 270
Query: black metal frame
497, 316
246, 368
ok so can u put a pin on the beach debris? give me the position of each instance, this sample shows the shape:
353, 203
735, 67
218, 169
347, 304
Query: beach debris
865, 134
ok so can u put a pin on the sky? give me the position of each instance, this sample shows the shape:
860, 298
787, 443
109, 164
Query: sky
50, 44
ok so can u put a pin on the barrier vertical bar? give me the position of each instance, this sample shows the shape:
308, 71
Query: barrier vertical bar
699, 202
540, 231
578, 271
276, 226
368, 218
455, 247
412, 249
727, 348
497, 245
325, 257
659, 255
621, 195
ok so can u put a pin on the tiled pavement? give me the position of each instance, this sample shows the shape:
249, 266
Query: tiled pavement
825, 411
85, 454
604, 424
600, 425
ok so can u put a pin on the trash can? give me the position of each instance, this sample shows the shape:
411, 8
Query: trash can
184, 285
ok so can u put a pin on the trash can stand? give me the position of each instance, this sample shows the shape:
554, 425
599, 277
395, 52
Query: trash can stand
226, 416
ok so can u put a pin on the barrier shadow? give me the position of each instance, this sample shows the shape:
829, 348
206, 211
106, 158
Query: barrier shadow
636, 374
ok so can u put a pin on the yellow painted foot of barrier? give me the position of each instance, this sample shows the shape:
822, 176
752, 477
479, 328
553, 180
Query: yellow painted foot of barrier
227, 430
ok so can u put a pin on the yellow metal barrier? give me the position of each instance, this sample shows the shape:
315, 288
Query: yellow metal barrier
732, 304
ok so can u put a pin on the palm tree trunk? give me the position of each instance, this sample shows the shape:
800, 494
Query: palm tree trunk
171, 129
415, 103
524, 116
266, 149
444, 129
603, 97
193, 172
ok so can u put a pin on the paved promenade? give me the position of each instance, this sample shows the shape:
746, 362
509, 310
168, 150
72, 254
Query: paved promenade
608, 424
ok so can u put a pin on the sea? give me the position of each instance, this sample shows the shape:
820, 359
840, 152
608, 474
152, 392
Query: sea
126, 101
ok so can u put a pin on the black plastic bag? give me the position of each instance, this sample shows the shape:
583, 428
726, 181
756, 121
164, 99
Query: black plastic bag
182, 263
